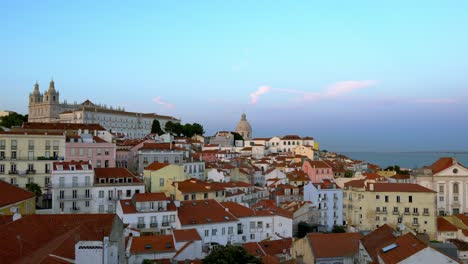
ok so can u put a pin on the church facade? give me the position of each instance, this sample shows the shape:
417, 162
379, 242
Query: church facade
47, 108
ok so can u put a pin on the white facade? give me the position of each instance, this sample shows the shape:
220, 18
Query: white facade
220, 233
107, 196
72, 189
329, 202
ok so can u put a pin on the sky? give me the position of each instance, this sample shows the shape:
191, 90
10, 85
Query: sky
355, 75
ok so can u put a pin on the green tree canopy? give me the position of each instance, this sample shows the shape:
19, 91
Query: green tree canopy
13, 119
169, 127
198, 129
230, 254
156, 127
338, 229
348, 174
34, 188
397, 169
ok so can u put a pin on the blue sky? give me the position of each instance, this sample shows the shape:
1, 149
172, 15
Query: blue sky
362, 75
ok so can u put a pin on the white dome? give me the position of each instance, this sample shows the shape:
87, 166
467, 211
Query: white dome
244, 128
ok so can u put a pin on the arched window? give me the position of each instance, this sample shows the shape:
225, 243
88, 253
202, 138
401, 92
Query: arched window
53, 98
455, 188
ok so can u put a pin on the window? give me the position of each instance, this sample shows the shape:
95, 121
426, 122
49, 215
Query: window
252, 236
101, 194
111, 194
87, 193
193, 196
81, 152
384, 209
205, 195
406, 210
400, 220
186, 197
90, 152
377, 197
62, 194
75, 181
161, 182
98, 152
252, 225
101, 208
214, 231
441, 198
455, 188
31, 155
75, 193
87, 204
129, 193
207, 233
426, 211
441, 189
110, 208
410, 199
415, 221
395, 209
13, 155
98, 164
230, 230
106, 163
106, 152
415, 210
72, 151
2, 168
13, 144
223, 231
398, 199
386, 198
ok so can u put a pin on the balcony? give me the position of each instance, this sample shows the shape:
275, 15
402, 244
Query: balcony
13, 172
240, 232
406, 213
75, 210
415, 224
415, 213
396, 212
74, 198
153, 224
141, 225
72, 185
31, 172
426, 214
166, 223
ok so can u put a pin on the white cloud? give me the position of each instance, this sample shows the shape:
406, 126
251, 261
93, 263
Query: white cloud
159, 101
255, 95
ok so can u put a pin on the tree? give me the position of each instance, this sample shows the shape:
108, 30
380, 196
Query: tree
156, 127
230, 254
198, 129
237, 136
13, 119
338, 229
169, 127
188, 130
34, 188
348, 174
178, 129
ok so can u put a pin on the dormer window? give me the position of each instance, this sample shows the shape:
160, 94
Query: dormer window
129, 179
101, 180
84, 167
60, 167
111, 180
72, 167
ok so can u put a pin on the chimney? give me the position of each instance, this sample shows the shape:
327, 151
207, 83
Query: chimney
226, 209
371, 187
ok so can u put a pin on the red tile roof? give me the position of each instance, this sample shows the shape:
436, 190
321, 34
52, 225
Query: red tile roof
445, 226
203, 212
334, 245
182, 235
406, 246
398, 187
291, 137
152, 244
157, 166
10, 194
442, 164
374, 240
161, 146
24, 132
319, 164
113, 173
194, 186
41, 235
66, 165
355, 183
62, 126
148, 197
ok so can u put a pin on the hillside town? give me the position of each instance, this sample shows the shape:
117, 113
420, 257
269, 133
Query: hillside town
89, 183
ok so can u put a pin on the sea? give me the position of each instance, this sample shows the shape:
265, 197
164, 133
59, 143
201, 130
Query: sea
409, 160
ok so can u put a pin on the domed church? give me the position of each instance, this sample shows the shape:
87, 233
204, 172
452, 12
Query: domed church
244, 128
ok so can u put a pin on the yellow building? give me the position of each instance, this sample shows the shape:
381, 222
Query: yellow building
16, 200
27, 157
193, 189
386, 173
159, 177
306, 151
367, 206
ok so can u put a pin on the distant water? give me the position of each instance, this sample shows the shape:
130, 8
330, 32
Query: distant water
409, 160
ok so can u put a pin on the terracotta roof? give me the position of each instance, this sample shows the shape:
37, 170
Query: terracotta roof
203, 212
445, 226
67, 165
319, 164
152, 244
128, 207
114, 173
297, 175
374, 240
406, 246
160, 146
147, 197
182, 235
399, 187
442, 164
157, 166
355, 183
42, 235
400, 177
29, 133
10, 194
194, 185
276, 247
291, 137
238, 210
334, 245
62, 126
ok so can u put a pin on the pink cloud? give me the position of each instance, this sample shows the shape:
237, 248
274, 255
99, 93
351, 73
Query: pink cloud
255, 95
159, 101
341, 88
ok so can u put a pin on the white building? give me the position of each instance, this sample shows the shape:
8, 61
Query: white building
328, 198
72, 184
149, 212
112, 185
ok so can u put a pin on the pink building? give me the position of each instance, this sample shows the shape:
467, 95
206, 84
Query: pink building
87, 147
317, 170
